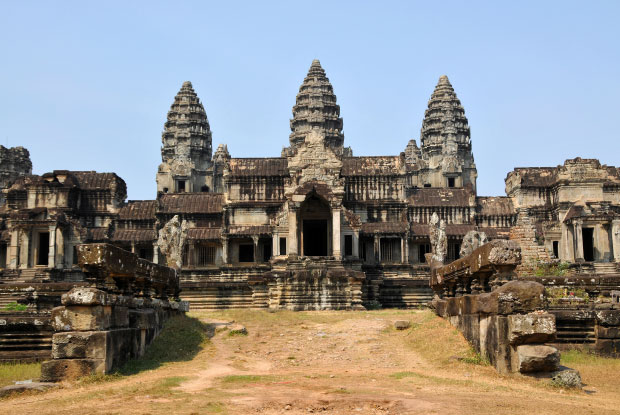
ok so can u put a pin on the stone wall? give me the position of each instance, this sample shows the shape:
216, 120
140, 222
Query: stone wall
532, 253
99, 327
505, 321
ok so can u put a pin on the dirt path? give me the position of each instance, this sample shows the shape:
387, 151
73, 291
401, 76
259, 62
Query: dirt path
327, 363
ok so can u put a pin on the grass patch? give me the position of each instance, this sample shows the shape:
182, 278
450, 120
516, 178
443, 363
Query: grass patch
247, 378
402, 375
12, 372
179, 341
13, 306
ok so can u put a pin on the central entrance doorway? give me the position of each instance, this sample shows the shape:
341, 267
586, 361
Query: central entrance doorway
588, 244
315, 227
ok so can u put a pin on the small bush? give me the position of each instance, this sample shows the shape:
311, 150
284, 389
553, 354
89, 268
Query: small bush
15, 307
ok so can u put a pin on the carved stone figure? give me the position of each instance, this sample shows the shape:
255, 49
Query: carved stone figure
439, 238
471, 241
171, 241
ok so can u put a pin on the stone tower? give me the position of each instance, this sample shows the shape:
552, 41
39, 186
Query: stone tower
186, 150
14, 162
445, 140
316, 110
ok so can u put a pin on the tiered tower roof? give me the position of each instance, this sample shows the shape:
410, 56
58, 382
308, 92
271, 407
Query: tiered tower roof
444, 115
187, 134
316, 108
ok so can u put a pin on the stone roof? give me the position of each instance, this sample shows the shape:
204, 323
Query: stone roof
495, 206
190, 203
439, 196
444, 108
316, 108
92, 180
384, 227
258, 167
249, 230
134, 235
371, 166
204, 234
138, 210
451, 229
98, 234
534, 176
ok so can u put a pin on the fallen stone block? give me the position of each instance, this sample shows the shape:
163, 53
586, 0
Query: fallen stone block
81, 318
566, 378
531, 328
513, 297
69, 369
26, 386
532, 358
402, 324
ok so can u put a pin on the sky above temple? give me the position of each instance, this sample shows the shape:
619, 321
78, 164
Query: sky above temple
87, 85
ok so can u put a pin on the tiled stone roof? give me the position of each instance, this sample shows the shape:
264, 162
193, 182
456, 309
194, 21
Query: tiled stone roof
258, 167
138, 210
371, 166
136, 235
204, 234
191, 203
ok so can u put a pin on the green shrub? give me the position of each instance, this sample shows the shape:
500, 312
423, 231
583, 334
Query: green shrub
15, 307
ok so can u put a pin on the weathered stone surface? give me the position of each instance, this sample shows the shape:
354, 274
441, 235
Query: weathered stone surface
57, 370
608, 317
603, 332
566, 378
171, 241
81, 318
513, 297
80, 345
439, 239
532, 358
531, 328
402, 324
87, 296
472, 241
238, 329
26, 387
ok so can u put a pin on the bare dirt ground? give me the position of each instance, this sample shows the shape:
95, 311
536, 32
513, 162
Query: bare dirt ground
329, 363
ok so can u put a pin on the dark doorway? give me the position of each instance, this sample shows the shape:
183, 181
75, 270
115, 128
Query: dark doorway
44, 248
246, 253
267, 251
556, 249
588, 244
315, 237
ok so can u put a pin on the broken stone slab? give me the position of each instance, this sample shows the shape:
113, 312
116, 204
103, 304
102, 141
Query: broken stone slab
513, 297
531, 358
608, 317
20, 387
402, 324
87, 296
60, 369
531, 328
81, 318
566, 378
237, 329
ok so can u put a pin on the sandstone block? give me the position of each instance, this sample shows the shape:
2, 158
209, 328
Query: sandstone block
81, 318
120, 316
532, 358
69, 369
608, 317
607, 347
80, 345
402, 324
607, 332
531, 328
513, 297
142, 319
566, 378
86, 296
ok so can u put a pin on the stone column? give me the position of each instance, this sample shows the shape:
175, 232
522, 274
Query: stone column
133, 247
336, 234
292, 233
377, 250
601, 243
13, 249
275, 246
60, 248
405, 249
255, 240
356, 244
155, 253
567, 246
579, 241
23, 251
225, 250
51, 255
615, 239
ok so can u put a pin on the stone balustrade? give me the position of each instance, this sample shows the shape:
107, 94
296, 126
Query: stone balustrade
114, 318
485, 269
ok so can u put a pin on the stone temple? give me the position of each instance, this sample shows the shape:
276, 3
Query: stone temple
316, 227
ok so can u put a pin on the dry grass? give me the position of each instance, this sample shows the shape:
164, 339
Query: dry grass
12, 372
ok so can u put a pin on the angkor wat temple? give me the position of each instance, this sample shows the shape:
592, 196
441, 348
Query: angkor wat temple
316, 227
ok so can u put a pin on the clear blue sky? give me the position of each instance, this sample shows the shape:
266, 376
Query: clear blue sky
87, 87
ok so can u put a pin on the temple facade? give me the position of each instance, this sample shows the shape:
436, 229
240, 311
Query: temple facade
316, 227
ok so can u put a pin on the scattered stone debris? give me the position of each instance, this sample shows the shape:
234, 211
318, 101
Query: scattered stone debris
566, 378
402, 324
237, 329
20, 387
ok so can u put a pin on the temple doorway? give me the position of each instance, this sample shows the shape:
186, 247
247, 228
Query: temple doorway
588, 244
315, 227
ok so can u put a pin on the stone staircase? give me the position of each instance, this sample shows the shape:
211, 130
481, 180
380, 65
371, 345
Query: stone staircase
605, 268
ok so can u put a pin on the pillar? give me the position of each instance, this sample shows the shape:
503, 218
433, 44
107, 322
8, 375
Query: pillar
601, 243
275, 246
225, 250
60, 248
579, 241
255, 240
292, 233
23, 251
615, 239
404, 250
356, 244
336, 234
155, 253
377, 250
51, 254
568, 249
133, 247
13, 249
